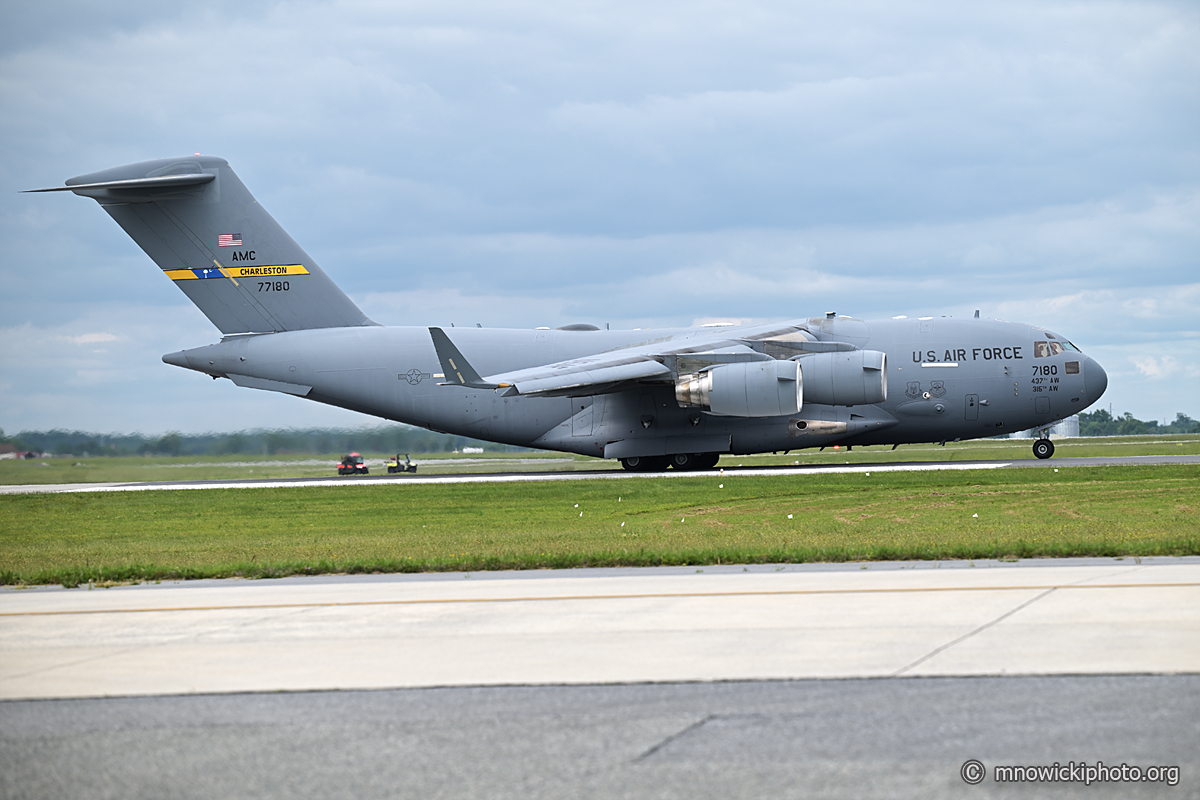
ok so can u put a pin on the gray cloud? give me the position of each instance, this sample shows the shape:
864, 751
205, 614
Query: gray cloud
536, 163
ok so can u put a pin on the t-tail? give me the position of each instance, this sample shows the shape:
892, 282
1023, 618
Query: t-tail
208, 234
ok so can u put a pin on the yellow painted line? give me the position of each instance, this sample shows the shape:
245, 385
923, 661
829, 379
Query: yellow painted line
233, 273
634, 596
264, 271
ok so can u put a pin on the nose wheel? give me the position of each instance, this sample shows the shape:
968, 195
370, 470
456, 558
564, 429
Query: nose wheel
1043, 448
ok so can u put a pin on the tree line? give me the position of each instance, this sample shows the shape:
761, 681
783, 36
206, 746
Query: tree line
1101, 423
397, 439
383, 439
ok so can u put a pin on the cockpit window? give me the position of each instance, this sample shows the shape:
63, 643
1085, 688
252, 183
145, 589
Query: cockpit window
1052, 347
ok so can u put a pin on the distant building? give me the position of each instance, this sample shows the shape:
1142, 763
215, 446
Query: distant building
1064, 429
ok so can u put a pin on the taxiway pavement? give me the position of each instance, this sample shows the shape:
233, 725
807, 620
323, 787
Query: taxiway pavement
1035, 617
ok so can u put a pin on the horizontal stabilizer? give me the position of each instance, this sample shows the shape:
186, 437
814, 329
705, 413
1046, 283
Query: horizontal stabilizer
163, 181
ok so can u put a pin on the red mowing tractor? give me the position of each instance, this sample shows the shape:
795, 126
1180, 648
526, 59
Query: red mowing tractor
352, 465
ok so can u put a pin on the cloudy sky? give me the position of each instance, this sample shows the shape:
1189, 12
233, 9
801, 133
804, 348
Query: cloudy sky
641, 164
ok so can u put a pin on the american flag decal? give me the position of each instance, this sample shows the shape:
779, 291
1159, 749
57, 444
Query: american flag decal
229, 240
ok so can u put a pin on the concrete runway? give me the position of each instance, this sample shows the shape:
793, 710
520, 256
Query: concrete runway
849, 681
612, 474
1051, 617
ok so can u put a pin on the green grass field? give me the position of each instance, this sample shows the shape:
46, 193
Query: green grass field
137, 469
116, 537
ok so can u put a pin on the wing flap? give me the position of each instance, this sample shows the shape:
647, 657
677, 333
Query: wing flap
580, 380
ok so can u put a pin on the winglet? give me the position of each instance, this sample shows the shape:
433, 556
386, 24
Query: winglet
457, 370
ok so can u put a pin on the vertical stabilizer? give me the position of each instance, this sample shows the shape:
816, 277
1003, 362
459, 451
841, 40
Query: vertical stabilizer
208, 234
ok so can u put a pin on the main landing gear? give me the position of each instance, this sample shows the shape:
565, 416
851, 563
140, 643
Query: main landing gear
645, 463
1043, 448
680, 461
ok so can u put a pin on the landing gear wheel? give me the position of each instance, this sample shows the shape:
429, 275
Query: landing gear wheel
645, 463
688, 462
634, 464
683, 461
1043, 448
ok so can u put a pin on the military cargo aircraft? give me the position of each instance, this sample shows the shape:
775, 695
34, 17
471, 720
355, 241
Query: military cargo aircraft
654, 399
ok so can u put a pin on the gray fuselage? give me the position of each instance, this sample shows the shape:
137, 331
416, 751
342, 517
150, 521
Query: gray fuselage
946, 379
647, 397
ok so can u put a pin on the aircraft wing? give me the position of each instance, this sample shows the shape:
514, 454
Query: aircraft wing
592, 375
603, 372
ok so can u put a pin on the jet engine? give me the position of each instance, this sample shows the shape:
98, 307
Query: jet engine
744, 389
852, 378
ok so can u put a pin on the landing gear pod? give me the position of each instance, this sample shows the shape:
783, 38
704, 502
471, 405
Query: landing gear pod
854, 378
747, 389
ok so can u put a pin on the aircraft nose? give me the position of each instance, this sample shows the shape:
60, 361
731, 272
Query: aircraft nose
1095, 380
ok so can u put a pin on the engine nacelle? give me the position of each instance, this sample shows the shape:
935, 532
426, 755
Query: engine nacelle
744, 389
853, 378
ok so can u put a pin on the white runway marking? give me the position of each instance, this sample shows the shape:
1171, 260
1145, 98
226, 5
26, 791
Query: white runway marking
507, 478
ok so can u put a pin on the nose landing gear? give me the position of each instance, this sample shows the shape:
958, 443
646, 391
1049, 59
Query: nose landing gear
1043, 448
